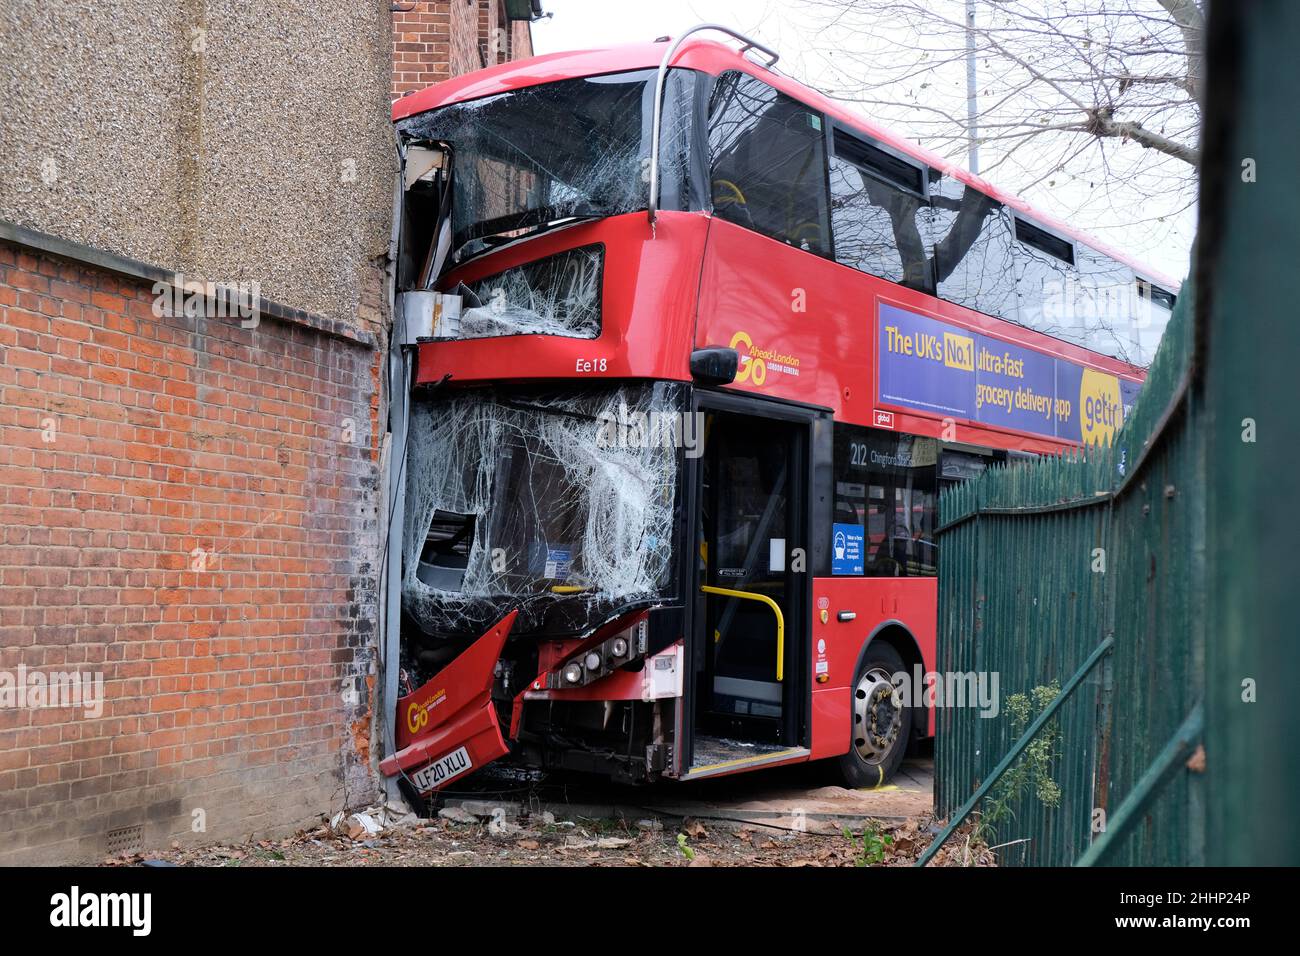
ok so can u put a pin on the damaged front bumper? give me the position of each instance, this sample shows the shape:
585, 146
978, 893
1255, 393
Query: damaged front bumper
449, 726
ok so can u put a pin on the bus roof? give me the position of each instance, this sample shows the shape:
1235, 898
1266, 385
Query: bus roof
712, 57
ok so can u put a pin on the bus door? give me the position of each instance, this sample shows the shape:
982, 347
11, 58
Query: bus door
752, 587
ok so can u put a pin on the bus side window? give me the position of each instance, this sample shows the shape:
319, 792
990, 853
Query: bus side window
1155, 307
974, 249
768, 162
1104, 305
1044, 271
885, 498
879, 215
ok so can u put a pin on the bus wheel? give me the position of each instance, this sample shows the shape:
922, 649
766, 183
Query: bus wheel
880, 729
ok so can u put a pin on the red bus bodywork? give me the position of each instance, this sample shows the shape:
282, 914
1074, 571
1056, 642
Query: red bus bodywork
695, 280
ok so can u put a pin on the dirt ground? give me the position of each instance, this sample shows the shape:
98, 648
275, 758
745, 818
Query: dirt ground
779, 818
461, 838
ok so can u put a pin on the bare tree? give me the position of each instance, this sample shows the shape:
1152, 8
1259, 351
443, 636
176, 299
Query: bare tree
1068, 92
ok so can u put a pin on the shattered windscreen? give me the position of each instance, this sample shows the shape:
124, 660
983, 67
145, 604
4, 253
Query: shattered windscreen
557, 295
571, 149
538, 502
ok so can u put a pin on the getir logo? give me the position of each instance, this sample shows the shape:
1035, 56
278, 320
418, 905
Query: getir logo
1100, 406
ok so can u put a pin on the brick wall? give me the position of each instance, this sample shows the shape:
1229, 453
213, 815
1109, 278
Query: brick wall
188, 507
434, 40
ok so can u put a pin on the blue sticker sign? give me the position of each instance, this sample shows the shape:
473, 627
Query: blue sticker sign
948, 371
848, 544
554, 562
559, 561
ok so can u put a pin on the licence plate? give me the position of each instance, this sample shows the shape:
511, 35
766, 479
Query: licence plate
442, 770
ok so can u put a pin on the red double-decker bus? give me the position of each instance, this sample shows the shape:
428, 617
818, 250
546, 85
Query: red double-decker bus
693, 351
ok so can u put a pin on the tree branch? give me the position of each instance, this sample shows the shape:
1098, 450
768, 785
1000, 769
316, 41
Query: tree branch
1101, 124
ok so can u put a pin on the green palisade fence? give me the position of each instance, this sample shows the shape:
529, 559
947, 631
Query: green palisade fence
1041, 561
1184, 732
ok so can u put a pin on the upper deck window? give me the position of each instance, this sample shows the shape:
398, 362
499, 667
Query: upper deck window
878, 212
974, 247
555, 152
1080, 295
1154, 310
768, 162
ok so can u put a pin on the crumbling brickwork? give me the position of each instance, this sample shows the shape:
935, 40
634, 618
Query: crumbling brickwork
188, 507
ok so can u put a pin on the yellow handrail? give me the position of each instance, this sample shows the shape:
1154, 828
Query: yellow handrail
776, 609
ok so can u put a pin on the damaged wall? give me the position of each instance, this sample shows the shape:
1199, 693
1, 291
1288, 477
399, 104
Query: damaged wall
189, 505
188, 509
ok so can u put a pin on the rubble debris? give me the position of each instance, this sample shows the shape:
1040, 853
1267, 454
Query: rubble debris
457, 815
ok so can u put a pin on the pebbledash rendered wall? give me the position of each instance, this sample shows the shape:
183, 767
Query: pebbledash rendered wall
188, 502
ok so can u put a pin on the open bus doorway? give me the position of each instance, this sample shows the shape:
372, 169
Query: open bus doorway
749, 642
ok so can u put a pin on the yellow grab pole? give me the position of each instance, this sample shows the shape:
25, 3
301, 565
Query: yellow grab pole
776, 609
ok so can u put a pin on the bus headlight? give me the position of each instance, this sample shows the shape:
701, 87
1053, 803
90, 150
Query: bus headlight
619, 651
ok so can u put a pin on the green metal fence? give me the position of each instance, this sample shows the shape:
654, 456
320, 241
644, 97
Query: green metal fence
1042, 562
1153, 581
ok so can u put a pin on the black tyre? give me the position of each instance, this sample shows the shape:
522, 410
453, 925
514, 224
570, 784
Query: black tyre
881, 729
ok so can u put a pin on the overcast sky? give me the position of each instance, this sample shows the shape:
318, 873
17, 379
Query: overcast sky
1153, 231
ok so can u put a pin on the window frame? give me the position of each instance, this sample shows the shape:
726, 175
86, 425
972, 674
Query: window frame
845, 435
706, 151
1155, 287
926, 174
871, 142
1000, 213
1019, 217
